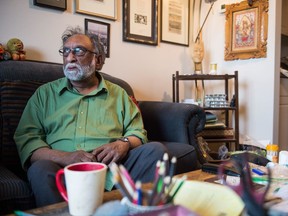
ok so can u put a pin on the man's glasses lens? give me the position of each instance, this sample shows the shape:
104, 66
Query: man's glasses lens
77, 51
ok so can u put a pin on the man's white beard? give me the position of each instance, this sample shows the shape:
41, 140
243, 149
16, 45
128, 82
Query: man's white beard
80, 72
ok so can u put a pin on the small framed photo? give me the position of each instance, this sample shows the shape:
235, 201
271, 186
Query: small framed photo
246, 30
140, 21
101, 8
101, 29
54, 4
175, 22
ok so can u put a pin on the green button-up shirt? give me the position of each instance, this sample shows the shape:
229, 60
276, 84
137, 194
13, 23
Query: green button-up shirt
59, 117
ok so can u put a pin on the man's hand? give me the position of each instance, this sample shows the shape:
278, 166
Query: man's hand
62, 158
111, 152
78, 156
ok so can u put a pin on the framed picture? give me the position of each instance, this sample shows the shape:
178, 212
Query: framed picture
140, 20
54, 4
246, 30
101, 8
101, 29
175, 21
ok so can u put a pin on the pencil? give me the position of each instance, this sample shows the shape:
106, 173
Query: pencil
156, 185
118, 181
160, 198
182, 180
127, 176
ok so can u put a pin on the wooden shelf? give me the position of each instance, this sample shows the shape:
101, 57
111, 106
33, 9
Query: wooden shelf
229, 111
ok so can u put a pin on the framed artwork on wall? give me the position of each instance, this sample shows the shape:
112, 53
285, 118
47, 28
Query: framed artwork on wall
101, 29
175, 21
140, 20
54, 4
246, 30
101, 8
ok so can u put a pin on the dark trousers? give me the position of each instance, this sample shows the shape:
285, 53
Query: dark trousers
140, 163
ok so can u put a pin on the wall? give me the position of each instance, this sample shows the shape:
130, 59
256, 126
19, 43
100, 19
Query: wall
258, 78
149, 68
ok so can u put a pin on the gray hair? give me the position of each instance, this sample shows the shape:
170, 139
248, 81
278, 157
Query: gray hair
98, 45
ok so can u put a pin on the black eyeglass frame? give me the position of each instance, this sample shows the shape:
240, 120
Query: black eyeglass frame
74, 51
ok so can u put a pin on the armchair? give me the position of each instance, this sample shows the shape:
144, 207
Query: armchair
173, 124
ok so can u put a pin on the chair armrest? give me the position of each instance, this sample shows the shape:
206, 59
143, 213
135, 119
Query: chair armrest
172, 122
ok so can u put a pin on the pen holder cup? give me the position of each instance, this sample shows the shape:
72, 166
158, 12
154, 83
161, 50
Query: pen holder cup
134, 208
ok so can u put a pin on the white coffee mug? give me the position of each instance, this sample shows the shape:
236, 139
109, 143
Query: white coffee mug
84, 186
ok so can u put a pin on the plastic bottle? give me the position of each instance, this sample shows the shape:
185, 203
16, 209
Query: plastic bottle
272, 152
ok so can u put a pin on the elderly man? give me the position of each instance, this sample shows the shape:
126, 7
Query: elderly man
81, 118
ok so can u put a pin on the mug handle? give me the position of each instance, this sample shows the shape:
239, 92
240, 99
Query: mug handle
60, 185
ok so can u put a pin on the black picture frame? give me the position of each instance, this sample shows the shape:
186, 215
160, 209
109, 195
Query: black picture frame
140, 25
101, 29
54, 4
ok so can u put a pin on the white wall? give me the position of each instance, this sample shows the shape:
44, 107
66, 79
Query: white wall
258, 78
149, 68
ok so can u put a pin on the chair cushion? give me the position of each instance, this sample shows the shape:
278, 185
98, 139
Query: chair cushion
13, 98
15, 193
186, 156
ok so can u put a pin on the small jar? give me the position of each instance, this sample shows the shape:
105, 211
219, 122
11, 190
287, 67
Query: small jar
272, 152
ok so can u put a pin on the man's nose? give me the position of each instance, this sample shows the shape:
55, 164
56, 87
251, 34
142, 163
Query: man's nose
71, 57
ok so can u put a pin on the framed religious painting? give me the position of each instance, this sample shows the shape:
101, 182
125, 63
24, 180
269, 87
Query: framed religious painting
101, 29
175, 22
246, 30
140, 20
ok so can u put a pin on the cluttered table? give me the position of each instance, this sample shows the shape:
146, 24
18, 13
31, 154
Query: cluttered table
200, 196
62, 207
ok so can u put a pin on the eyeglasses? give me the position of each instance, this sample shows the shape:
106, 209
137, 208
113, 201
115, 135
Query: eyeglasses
77, 51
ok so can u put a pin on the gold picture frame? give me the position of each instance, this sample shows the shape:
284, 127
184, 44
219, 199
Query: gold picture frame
246, 30
175, 22
106, 9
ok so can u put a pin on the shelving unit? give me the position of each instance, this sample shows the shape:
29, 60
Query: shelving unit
229, 111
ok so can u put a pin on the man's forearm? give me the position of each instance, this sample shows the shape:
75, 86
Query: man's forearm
48, 154
134, 141
62, 158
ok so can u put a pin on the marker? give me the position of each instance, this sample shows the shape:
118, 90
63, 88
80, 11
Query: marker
139, 192
258, 171
172, 167
166, 162
21, 213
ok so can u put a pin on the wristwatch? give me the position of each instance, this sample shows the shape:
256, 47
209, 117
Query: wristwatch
125, 139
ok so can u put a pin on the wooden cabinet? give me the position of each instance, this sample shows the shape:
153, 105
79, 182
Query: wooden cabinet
230, 81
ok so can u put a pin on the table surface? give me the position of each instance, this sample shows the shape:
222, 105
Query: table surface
61, 208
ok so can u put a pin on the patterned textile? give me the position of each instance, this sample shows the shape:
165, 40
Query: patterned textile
14, 193
13, 96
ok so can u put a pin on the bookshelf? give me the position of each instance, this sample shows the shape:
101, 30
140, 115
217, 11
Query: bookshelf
230, 81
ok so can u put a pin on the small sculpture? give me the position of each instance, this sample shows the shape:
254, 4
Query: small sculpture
15, 47
4, 54
197, 53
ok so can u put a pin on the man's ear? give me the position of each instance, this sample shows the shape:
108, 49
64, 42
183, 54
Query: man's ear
99, 62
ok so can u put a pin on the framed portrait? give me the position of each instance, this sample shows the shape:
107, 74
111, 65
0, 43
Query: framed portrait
246, 30
101, 8
54, 4
175, 21
101, 29
140, 20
